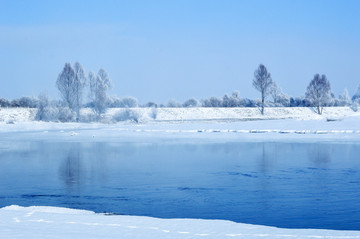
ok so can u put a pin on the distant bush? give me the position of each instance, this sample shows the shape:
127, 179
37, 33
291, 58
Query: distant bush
132, 115
151, 104
173, 104
126, 102
191, 103
66, 115
90, 117
50, 111
4, 103
25, 102
212, 102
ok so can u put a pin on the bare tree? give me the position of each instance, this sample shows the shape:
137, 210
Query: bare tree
80, 82
70, 83
318, 92
262, 82
65, 83
99, 85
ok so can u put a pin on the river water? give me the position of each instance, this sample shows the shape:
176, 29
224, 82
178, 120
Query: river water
290, 185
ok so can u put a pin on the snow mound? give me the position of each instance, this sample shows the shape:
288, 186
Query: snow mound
54, 222
57, 210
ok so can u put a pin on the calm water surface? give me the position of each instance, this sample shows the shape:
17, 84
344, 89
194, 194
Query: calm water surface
292, 185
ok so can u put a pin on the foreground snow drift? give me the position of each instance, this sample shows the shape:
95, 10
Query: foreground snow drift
53, 222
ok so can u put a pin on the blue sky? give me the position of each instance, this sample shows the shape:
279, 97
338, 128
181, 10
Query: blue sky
161, 50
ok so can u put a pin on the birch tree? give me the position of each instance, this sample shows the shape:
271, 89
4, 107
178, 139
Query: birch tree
262, 82
318, 92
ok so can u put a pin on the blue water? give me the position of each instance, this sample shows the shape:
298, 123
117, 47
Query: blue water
291, 185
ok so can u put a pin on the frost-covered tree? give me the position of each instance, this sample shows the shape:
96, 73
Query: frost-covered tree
80, 83
212, 102
4, 102
70, 83
99, 85
129, 102
43, 104
231, 101
191, 103
173, 104
262, 82
345, 98
319, 92
275, 92
356, 96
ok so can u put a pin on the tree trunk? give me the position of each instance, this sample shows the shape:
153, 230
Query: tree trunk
262, 105
319, 109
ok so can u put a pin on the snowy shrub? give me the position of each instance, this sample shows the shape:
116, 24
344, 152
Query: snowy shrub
247, 103
173, 104
356, 95
299, 102
46, 110
27, 102
132, 115
230, 101
4, 103
151, 104
153, 113
126, 102
66, 114
355, 105
283, 100
43, 104
129, 102
191, 103
89, 117
212, 102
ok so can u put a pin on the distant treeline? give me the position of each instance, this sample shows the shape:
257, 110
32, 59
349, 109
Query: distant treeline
232, 100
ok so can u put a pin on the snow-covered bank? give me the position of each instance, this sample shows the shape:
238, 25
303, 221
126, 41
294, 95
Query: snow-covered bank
53, 222
346, 129
337, 123
199, 114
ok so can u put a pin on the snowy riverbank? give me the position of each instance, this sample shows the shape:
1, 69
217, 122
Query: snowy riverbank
53, 222
338, 124
11, 115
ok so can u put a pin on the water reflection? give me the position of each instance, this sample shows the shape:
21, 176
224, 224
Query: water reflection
320, 154
71, 168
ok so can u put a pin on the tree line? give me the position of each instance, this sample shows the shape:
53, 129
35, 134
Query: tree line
75, 85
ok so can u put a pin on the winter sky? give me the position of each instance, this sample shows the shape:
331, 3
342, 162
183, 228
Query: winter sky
178, 49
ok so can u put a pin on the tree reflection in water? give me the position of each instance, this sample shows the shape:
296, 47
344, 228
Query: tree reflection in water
71, 167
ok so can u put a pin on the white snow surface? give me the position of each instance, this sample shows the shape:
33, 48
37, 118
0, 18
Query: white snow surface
219, 124
200, 113
54, 222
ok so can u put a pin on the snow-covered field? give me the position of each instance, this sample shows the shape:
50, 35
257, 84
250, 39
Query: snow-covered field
191, 124
52, 222
200, 114
226, 124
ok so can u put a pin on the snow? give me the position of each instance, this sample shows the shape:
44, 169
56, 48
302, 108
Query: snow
202, 113
54, 222
336, 124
